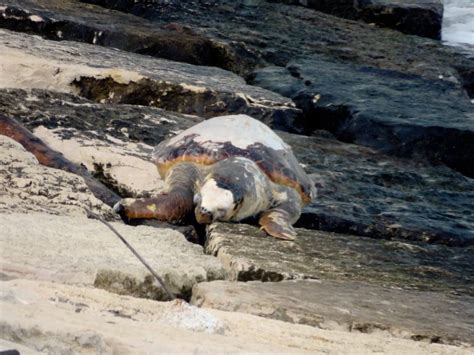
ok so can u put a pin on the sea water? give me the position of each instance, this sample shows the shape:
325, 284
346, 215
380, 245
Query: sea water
458, 25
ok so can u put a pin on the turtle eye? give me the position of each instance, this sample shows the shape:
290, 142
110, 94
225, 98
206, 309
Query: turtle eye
237, 204
197, 199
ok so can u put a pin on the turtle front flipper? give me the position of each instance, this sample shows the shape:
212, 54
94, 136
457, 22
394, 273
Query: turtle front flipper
174, 206
286, 210
275, 223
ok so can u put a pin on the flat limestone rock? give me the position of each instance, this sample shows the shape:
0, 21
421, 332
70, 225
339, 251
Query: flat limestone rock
113, 76
348, 305
249, 255
10, 345
82, 251
26, 186
122, 166
49, 317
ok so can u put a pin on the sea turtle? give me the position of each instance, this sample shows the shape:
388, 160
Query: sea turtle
227, 168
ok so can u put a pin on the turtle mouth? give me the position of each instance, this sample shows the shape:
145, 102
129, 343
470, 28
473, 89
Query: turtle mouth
203, 216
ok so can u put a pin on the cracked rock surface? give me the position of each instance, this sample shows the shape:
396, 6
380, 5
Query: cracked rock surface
95, 321
85, 252
26, 186
279, 33
417, 291
248, 255
74, 21
347, 305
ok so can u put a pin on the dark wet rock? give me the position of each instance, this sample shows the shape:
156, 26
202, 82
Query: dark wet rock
130, 123
70, 20
360, 191
114, 142
112, 76
260, 32
186, 99
342, 8
348, 305
278, 33
363, 192
395, 113
422, 18
467, 77
248, 254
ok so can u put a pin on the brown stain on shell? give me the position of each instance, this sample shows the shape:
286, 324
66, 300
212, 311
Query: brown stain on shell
206, 160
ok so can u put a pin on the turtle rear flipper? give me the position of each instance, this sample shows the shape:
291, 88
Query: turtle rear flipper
277, 221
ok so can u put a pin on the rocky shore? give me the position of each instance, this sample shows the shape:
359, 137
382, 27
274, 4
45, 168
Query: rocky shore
376, 109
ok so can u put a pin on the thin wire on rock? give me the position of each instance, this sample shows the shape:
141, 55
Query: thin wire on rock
157, 277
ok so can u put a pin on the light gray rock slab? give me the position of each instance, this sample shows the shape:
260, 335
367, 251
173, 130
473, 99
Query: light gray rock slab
123, 167
65, 319
249, 255
72, 20
82, 251
11, 345
112, 76
55, 318
348, 305
26, 186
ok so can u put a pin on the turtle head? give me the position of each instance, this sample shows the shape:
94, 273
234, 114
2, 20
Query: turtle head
218, 199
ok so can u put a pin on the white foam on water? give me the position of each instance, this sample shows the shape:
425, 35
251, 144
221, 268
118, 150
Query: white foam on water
458, 24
